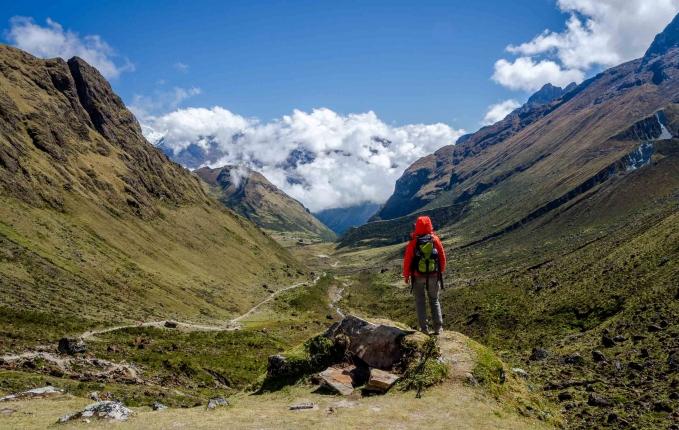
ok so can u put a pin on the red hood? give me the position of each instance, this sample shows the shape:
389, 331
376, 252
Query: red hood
423, 226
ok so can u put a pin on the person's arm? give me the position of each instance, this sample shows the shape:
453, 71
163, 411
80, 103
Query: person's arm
408, 259
442, 253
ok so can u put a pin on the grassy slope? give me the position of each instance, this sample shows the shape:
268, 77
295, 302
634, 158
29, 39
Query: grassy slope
97, 226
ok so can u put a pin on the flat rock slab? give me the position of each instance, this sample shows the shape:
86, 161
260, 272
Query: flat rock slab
110, 410
303, 406
377, 345
35, 393
380, 380
338, 379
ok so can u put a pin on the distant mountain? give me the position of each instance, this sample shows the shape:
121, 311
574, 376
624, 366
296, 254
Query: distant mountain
342, 219
425, 179
97, 225
249, 193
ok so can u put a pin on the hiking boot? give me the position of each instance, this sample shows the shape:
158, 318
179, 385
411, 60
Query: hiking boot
438, 331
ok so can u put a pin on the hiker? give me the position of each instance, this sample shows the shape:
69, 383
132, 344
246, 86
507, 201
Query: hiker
423, 267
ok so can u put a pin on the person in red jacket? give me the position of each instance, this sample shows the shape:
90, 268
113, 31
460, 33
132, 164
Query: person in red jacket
423, 265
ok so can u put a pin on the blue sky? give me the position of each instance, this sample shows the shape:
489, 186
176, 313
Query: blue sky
305, 91
410, 62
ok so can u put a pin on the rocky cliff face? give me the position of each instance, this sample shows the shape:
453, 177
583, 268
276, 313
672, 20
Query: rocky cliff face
252, 195
95, 221
66, 114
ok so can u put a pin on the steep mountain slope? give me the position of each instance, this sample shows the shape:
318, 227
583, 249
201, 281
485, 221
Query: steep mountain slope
97, 224
249, 193
542, 156
342, 219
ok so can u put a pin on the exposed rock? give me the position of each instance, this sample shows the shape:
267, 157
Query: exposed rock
539, 354
575, 359
661, 406
303, 406
565, 395
7, 411
377, 345
380, 380
607, 341
470, 379
157, 406
636, 366
654, 328
598, 356
111, 410
35, 393
71, 346
598, 400
94, 395
170, 324
619, 338
520, 372
217, 402
337, 379
277, 366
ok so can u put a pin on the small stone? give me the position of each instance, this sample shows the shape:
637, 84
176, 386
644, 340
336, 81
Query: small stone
653, 328
539, 354
598, 400
170, 324
71, 346
673, 360
337, 379
216, 402
94, 395
7, 411
520, 372
302, 406
636, 366
575, 359
565, 395
157, 406
662, 407
607, 341
381, 380
598, 356
619, 338
470, 379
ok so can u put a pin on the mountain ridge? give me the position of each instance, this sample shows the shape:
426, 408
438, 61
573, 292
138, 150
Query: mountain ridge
249, 193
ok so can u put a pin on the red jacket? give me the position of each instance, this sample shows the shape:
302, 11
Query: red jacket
422, 226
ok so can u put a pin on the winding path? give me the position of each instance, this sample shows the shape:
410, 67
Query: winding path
232, 324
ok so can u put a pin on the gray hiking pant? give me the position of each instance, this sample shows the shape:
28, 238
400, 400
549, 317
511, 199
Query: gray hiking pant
431, 284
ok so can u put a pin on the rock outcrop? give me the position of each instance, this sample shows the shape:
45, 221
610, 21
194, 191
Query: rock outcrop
107, 410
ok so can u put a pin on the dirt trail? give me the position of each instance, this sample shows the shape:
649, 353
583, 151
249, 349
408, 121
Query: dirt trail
232, 324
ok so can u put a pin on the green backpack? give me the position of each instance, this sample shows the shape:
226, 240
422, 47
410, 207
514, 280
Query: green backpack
426, 255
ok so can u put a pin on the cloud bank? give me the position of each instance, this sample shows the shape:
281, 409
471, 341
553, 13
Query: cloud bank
322, 158
498, 111
598, 33
53, 41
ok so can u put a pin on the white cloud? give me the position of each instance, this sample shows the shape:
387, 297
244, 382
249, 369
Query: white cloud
500, 110
181, 67
53, 41
321, 158
161, 101
528, 75
598, 33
